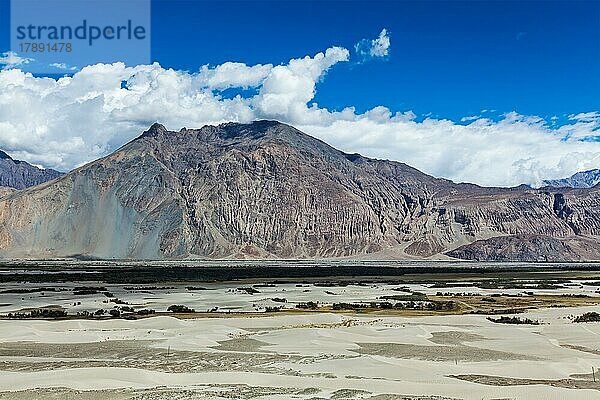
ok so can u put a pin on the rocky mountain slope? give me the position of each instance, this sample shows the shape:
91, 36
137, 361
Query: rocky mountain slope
580, 180
267, 190
20, 175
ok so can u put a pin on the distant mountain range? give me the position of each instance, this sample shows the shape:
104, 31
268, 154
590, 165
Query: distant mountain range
267, 190
581, 180
20, 175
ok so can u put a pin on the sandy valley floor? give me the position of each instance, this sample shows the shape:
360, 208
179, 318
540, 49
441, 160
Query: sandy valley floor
301, 356
256, 339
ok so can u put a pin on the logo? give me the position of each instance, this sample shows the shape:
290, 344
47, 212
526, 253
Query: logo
65, 35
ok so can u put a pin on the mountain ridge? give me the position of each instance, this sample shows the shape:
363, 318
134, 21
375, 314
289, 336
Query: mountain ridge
20, 174
579, 180
267, 190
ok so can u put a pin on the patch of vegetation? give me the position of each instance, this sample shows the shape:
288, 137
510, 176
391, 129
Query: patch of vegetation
402, 289
414, 296
513, 320
158, 274
33, 290
84, 292
87, 290
279, 300
331, 284
521, 284
499, 311
143, 288
592, 283
440, 285
180, 309
349, 306
84, 314
40, 313
588, 317
386, 305
310, 305
145, 312
249, 290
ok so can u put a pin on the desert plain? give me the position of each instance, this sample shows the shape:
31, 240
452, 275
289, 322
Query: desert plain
304, 338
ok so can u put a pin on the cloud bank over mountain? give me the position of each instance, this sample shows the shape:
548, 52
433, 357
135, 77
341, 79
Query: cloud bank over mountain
63, 123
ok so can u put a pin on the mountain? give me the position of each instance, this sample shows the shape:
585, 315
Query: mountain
586, 179
20, 175
267, 190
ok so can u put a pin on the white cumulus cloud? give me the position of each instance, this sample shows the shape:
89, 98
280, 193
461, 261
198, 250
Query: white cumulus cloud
63, 123
379, 47
10, 59
62, 66
234, 75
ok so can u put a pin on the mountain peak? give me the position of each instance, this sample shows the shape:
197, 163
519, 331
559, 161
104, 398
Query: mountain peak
227, 130
4, 156
253, 129
579, 180
261, 124
154, 129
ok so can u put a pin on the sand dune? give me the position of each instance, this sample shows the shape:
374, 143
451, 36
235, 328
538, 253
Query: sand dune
300, 356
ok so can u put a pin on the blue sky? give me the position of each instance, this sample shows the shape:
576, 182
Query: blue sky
526, 73
449, 59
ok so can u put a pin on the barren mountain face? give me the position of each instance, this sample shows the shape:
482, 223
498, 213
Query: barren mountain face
19, 174
266, 189
584, 179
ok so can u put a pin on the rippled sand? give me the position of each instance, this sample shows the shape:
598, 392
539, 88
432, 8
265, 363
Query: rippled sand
302, 356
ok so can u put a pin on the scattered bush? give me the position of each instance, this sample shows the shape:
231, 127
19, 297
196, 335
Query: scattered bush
348, 306
146, 288
33, 290
279, 300
86, 290
40, 313
180, 309
588, 317
249, 290
499, 311
488, 299
415, 296
513, 320
84, 314
310, 305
